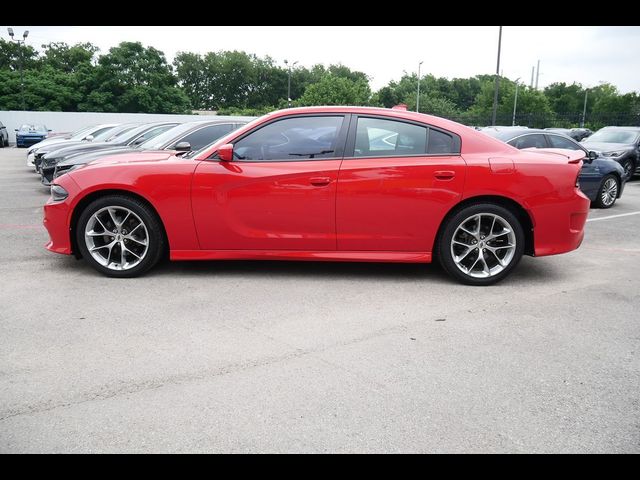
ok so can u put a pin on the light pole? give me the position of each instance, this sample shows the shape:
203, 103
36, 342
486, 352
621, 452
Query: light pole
418, 94
515, 103
286, 62
584, 109
20, 42
497, 85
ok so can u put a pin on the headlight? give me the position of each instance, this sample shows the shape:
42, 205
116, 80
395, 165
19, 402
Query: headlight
58, 193
617, 153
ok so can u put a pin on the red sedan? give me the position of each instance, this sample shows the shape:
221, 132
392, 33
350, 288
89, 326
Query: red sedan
326, 183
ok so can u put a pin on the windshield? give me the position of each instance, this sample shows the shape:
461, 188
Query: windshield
33, 128
221, 140
79, 134
159, 141
613, 136
114, 132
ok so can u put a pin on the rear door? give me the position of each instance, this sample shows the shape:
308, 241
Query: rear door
397, 181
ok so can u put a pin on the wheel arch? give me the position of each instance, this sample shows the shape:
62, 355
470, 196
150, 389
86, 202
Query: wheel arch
90, 197
516, 208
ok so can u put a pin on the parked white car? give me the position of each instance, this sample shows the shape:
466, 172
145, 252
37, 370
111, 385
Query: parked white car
86, 133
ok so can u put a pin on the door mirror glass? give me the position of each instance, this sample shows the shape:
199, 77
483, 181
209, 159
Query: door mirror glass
592, 155
183, 147
225, 152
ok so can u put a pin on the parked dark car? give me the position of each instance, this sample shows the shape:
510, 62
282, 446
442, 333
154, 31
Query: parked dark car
108, 135
186, 137
133, 137
577, 134
4, 136
621, 144
601, 179
29, 134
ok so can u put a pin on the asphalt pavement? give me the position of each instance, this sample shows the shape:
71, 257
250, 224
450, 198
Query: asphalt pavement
316, 357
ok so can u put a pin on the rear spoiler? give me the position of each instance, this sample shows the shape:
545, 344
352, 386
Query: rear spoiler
574, 156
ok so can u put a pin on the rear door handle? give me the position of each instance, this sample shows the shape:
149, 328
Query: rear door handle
320, 181
444, 174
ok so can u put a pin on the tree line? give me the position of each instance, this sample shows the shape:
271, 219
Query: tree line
134, 78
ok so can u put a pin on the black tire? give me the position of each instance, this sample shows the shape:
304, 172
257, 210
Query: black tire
604, 198
2, 143
155, 234
445, 247
629, 168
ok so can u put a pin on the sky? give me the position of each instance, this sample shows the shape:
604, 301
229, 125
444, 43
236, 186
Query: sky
588, 55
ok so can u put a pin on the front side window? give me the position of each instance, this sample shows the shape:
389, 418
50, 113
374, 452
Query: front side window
557, 141
299, 138
529, 141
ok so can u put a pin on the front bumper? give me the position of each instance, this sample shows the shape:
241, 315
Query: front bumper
47, 175
57, 219
28, 141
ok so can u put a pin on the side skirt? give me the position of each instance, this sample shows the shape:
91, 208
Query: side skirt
398, 257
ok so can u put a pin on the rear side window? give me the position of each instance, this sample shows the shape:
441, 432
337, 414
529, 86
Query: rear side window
298, 138
529, 141
382, 137
557, 141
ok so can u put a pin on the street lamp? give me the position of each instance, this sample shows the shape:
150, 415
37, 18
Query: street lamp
418, 94
497, 84
20, 42
515, 103
584, 109
286, 62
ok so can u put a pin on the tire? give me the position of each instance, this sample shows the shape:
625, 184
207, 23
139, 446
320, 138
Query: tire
463, 253
608, 192
629, 168
2, 143
127, 222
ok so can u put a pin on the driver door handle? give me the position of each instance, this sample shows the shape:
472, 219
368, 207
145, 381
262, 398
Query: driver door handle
320, 181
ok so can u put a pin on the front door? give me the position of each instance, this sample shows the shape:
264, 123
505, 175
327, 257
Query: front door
398, 179
279, 191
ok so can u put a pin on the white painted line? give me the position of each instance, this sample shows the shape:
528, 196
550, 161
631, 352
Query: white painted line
613, 216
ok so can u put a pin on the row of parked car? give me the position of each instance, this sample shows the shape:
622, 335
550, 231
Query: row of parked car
55, 156
612, 155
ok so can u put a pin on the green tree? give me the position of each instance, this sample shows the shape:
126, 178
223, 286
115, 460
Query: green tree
334, 90
132, 78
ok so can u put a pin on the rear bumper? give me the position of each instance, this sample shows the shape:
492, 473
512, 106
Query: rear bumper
559, 228
28, 141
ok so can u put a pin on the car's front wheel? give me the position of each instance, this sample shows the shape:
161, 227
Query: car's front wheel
608, 192
120, 236
481, 244
629, 168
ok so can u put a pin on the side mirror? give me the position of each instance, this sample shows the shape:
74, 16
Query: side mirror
138, 141
225, 152
183, 147
592, 155
49, 130
89, 138
16, 129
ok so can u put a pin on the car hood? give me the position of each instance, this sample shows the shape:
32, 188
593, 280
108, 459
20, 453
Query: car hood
607, 147
82, 158
66, 150
48, 142
133, 158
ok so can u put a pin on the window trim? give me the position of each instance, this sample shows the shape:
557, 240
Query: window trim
340, 139
353, 127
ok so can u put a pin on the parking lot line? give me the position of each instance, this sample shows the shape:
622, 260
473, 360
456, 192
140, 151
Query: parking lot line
613, 216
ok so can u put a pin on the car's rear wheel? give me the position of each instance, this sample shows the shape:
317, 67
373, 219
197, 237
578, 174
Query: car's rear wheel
608, 192
629, 168
120, 236
481, 244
